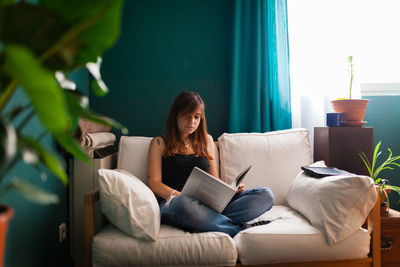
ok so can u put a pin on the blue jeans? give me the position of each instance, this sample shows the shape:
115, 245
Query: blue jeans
189, 214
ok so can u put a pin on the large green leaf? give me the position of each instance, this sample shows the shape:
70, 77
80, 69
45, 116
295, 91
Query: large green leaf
39, 29
69, 143
6, 2
33, 193
40, 86
52, 162
77, 111
97, 39
95, 22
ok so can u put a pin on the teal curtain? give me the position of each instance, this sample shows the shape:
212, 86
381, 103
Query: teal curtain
260, 92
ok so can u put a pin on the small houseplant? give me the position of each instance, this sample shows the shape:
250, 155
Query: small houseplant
375, 172
41, 43
353, 108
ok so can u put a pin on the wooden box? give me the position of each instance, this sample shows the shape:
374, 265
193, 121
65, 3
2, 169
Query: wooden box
339, 147
390, 239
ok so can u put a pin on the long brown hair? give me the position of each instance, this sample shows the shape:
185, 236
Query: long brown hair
186, 103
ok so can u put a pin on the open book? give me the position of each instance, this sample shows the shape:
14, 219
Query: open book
211, 191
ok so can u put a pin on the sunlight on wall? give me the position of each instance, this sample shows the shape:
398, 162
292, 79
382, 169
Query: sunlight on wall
322, 34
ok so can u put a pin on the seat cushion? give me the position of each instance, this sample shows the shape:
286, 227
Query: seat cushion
174, 247
291, 238
276, 158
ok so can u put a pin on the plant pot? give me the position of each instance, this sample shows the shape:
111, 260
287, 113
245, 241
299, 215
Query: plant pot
353, 108
6, 213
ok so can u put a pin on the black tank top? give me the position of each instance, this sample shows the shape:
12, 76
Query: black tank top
176, 169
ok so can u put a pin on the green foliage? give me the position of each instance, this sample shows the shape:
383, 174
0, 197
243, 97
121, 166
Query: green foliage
374, 170
36, 42
39, 85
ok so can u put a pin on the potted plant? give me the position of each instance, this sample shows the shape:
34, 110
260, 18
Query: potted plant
374, 172
353, 108
42, 43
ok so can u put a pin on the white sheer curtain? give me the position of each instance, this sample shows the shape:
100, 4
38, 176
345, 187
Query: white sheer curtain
322, 34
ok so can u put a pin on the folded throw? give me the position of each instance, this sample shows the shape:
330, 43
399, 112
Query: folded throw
87, 126
97, 140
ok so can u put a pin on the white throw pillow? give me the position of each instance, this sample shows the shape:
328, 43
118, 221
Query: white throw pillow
336, 205
129, 204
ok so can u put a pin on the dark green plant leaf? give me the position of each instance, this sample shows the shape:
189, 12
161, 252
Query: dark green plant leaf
97, 39
6, 2
40, 85
15, 111
95, 22
76, 110
33, 193
39, 29
69, 143
52, 162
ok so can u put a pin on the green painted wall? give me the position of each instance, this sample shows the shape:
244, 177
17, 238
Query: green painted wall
383, 113
167, 47
32, 238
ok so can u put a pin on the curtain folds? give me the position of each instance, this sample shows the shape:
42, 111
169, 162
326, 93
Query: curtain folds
260, 91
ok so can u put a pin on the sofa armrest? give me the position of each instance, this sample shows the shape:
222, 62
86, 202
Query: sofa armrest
374, 226
90, 230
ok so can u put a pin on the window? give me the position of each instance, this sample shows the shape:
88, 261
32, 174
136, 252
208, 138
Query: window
323, 33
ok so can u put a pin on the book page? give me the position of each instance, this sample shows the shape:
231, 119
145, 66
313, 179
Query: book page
209, 190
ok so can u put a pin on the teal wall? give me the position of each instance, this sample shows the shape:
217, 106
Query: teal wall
167, 47
383, 113
32, 238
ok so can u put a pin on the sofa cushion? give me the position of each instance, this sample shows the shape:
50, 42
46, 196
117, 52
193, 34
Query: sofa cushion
276, 158
291, 238
174, 247
129, 204
336, 205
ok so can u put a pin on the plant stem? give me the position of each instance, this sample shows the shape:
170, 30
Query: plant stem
43, 134
10, 114
7, 94
25, 121
9, 166
351, 77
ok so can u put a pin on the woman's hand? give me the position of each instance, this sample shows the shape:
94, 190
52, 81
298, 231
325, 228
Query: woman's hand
240, 188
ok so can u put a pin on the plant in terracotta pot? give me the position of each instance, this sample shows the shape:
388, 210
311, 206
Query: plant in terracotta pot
353, 108
374, 172
41, 43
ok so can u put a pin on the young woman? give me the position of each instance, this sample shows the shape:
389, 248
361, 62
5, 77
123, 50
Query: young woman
171, 160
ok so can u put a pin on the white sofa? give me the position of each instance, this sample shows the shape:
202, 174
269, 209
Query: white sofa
311, 224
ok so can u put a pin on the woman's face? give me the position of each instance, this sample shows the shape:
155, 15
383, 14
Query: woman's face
188, 123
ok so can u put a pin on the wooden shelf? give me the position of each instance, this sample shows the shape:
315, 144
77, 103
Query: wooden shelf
340, 146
